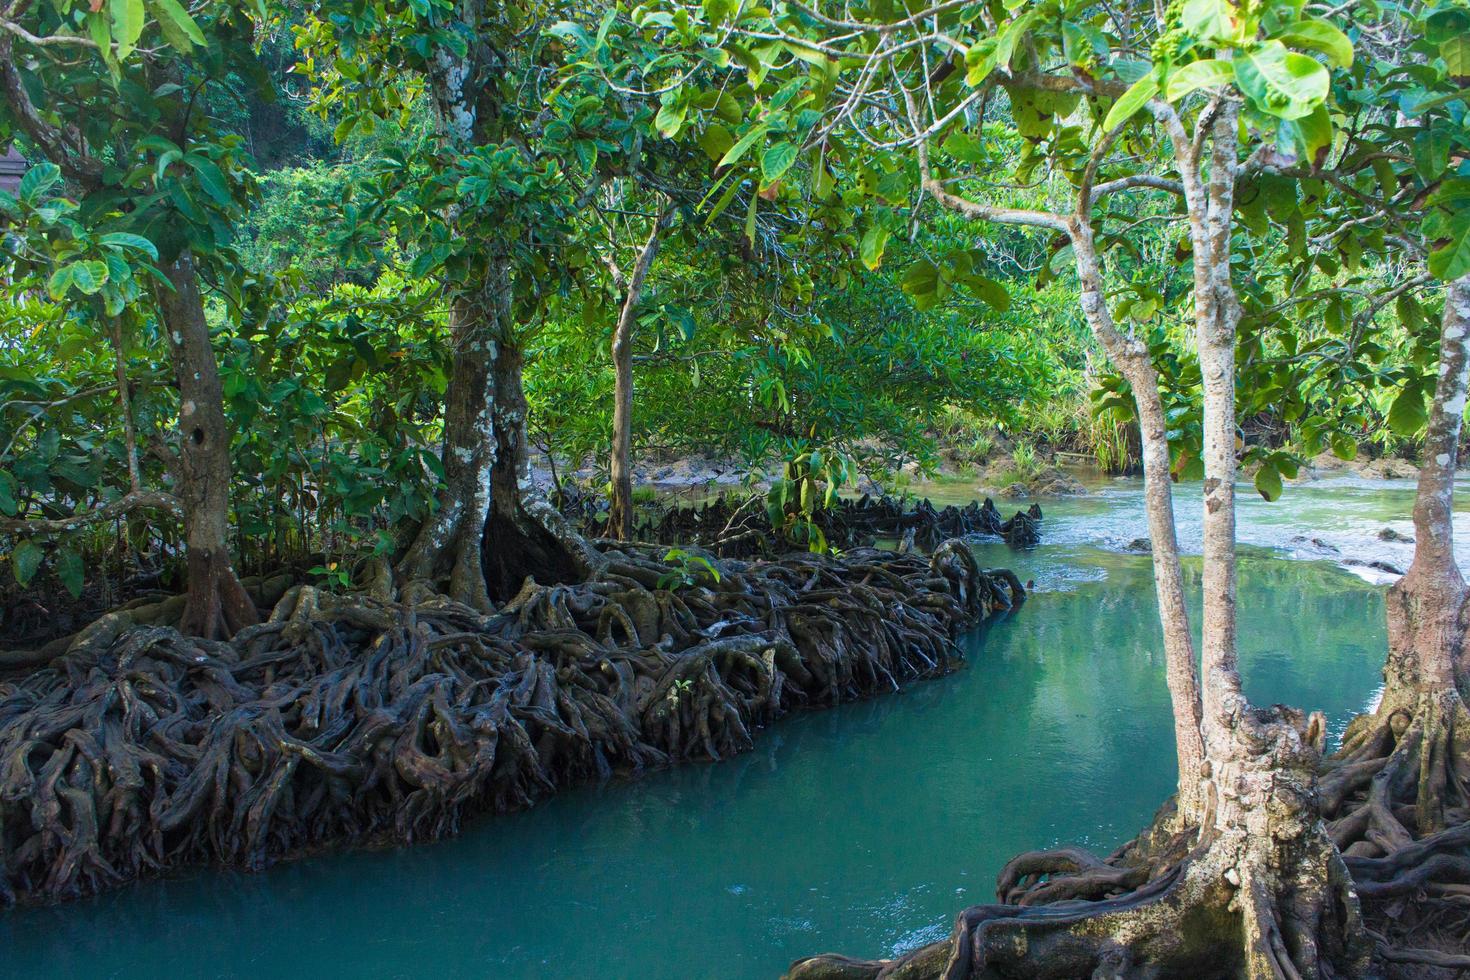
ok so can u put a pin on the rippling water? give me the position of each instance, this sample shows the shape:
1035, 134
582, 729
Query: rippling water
861, 829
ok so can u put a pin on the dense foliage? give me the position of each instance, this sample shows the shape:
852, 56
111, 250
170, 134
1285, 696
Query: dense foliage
343, 188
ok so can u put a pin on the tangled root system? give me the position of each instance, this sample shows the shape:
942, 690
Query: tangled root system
738, 527
352, 719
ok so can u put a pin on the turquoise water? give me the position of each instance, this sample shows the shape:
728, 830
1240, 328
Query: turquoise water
861, 829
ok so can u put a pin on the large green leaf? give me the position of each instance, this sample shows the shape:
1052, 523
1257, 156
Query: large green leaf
875, 239
1211, 73
25, 560
777, 160
670, 118
1406, 417
1131, 101
1280, 82
37, 181
88, 276
744, 143
211, 178
1448, 228
1268, 481
1208, 19
178, 27
1318, 35
70, 570
987, 290
123, 239
128, 17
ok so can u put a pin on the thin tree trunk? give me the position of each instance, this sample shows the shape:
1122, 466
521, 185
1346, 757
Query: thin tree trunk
1131, 357
125, 407
620, 470
217, 604
1426, 607
1216, 317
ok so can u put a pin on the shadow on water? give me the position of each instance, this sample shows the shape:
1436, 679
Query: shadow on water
864, 828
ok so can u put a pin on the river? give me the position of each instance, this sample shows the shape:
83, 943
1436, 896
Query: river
861, 829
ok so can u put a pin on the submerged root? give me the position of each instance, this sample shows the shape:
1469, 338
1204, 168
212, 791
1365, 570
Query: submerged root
356, 718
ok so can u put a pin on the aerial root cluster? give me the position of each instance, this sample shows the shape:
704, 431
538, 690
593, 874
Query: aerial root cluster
738, 527
1397, 801
354, 719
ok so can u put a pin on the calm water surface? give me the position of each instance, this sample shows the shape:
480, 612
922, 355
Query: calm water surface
861, 829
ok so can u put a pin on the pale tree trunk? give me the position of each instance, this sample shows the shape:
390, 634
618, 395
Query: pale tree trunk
1130, 355
217, 605
449, 544
1416, 744
620, 470
1427, 606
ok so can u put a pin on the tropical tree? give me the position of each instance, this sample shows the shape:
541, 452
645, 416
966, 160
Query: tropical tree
134, 140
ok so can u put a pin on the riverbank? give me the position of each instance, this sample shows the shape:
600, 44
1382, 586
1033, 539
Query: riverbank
350, 721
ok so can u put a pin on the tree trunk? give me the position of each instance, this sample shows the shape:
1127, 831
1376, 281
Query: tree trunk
1416, 745
620, 471
1131, 357
525, 537
217, 605
449, 544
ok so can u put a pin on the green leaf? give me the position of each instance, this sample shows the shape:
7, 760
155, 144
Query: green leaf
70, 570
1448, 228
1314, 135
1279, 82
1318, 35
1344, 446
924, 285
1268, 481
59, 282
670, 119
979, 61
37, 181
744, 143
25, 560
1451, 256
875, 239
988, 291
88, 276
127, 24
178, 27
8, 489
1407, 415
1211, 73
1208, 19
777, 160
211, 178
122, 239
716, 141
1131, 101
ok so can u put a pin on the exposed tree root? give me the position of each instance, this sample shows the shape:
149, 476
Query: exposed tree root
345, 719
738, 527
